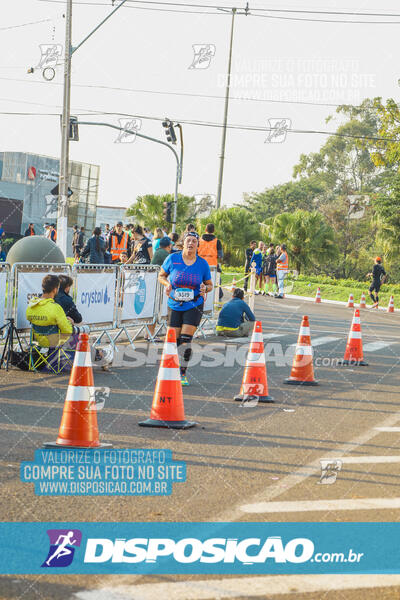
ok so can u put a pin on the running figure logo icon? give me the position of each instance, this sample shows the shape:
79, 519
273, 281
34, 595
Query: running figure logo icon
329, 471
61, 551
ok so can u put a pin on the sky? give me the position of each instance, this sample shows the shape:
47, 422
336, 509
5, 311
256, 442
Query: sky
142, 63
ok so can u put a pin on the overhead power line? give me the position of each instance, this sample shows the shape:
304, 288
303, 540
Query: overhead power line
183, 94
156, 7
24, 24
199, 123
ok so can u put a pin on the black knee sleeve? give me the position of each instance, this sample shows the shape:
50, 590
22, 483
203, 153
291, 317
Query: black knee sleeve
185, 351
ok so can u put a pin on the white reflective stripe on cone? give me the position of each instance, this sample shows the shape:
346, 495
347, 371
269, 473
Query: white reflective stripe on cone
79, 393
165, 374
304, 350
355, 335
257, 337
253, 357
82, 359
170, 348
304, 331
356, 321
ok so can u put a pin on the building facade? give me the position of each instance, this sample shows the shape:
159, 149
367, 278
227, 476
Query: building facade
26, 184
110, 215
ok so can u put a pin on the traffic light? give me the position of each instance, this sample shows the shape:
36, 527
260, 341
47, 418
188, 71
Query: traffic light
167, 212
73, 129
169, 131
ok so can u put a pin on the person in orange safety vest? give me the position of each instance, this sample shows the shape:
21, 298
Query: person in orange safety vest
118, 242
210, 248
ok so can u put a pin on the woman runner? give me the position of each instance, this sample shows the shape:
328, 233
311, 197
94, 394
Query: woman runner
187, 279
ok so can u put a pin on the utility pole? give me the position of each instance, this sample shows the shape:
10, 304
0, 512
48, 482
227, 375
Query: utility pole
228, 84
62, 217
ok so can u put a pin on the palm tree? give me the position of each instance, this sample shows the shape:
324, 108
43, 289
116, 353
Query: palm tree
309, 239
148, 210
235, 227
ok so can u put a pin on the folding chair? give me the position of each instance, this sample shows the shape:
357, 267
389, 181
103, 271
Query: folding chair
56, 360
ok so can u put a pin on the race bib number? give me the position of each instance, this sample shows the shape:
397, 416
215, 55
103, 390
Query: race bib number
183, 295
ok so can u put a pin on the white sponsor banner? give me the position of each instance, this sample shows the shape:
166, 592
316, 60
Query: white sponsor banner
29, 285
95, 296
139, 294
3, 291
208, 305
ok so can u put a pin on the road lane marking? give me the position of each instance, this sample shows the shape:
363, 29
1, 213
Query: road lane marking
266, 336
359, 460
322, 505
388, 429
240, 587
374, 346
304, 472
323, 340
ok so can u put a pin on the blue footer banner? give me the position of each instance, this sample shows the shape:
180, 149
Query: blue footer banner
207, 548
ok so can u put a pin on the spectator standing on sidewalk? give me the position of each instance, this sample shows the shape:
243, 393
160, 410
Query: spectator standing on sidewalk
163, 251
95, 247
30, 230
282, 267
247, 265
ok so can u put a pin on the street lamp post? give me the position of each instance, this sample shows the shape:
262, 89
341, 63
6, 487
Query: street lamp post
62, 216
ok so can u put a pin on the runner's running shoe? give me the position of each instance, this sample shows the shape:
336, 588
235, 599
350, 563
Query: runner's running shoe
184, 380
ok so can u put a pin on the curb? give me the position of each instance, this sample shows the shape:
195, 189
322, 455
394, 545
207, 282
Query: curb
337, 302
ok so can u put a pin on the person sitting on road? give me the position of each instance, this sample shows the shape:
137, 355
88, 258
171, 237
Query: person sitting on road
231, 321
65, 301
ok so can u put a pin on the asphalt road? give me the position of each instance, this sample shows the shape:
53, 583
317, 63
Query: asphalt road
258, 463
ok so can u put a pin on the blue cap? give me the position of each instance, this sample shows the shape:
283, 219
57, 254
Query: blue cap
165, 242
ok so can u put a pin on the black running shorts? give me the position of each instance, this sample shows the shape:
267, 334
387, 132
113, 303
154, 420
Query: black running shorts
375, 285
177, 318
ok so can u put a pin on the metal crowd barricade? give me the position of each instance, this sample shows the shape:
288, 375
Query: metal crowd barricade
96, 293
5, 271
24, 283
209, 305
139, 300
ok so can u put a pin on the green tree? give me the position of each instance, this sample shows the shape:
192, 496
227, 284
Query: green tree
148, 211
235, 227
285, 197
310, 240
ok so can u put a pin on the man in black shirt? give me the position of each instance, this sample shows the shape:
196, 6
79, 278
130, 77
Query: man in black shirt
248, 253
378, 277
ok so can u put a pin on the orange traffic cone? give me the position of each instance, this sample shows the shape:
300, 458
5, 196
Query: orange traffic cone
302, 370
390, 308
350, 303
233, 286
167, 409
362, 301
318, 296
354, 350
78, 428
254, 383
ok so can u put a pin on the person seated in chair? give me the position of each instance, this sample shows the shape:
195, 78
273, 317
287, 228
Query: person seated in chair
65, 301
50, 325
231, 321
